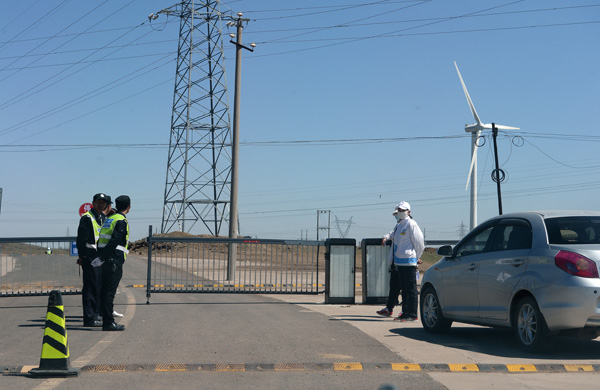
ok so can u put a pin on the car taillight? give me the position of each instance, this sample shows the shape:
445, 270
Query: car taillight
576, 264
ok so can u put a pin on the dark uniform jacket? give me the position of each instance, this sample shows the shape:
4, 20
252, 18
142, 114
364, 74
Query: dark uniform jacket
85, 235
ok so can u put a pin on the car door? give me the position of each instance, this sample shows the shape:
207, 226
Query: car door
459, 281
503, 268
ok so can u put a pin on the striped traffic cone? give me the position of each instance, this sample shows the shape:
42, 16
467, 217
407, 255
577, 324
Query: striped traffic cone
55, 359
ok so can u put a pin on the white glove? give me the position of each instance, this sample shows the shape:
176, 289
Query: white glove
97, 262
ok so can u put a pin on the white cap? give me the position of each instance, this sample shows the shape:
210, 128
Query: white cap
402, 206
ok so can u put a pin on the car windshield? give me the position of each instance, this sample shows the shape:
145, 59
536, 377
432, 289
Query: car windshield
573, 230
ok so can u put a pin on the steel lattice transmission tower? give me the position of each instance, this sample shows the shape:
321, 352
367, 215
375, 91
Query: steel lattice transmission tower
347, 223
198, 180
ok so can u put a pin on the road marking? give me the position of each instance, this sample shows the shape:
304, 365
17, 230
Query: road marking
283, 367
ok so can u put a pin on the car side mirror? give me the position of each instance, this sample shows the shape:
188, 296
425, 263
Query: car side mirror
445, 250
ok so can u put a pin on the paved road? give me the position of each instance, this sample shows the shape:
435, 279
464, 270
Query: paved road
270, 342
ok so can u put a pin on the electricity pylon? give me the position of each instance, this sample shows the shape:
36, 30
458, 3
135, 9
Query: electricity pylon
198, 180
347, 223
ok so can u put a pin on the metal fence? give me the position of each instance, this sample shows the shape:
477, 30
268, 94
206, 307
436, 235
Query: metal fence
192, 264
38, 265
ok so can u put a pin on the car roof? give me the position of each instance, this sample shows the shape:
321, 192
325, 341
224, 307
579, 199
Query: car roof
549, 214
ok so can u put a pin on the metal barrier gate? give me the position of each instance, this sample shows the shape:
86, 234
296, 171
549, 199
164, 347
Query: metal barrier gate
38, 265
192, 264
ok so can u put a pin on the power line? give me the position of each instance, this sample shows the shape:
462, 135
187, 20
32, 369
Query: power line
566, 137
396, 35
88, 49
29, 92
85, 97
386, 13
93, 111
350, 22
380, 23
78, 34
332, 7
39, 45
93, 61
335, 9
31, 26
400, 33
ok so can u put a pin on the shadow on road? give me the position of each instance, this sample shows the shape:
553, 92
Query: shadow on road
502, 343
359, 318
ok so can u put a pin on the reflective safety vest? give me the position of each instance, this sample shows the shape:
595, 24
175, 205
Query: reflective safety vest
96, 227
107, 230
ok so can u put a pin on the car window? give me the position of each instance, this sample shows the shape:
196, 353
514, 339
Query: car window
475, 243
573, 230
512, 235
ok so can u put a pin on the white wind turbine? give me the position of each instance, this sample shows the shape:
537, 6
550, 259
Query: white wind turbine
475, 130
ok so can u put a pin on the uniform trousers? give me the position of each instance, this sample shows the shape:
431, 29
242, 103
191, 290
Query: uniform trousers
112, 271
90, 292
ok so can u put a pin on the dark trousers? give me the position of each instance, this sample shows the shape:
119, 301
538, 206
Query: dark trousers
408, 279
112, 271
395, 287
90, 293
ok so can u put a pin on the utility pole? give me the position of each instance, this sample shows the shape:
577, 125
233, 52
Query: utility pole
498, 174
327, 227
233, 203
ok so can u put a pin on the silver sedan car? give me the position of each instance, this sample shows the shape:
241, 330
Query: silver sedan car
534, 272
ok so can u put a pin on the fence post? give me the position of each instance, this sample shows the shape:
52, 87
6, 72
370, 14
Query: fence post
149, 276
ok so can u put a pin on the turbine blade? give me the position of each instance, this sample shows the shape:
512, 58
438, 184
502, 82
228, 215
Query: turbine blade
471, 106
473, 158
502, 127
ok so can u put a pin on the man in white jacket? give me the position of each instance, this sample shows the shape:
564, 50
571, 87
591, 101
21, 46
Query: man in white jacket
408, 245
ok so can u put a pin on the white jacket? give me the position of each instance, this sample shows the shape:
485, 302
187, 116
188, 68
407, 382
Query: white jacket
408, 243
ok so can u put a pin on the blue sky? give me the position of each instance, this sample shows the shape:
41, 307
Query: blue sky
369, 87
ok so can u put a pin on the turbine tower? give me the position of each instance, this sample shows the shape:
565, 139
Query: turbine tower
198, 180
475, 130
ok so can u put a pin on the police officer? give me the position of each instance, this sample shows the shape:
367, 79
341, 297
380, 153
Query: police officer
88, 233
112, 245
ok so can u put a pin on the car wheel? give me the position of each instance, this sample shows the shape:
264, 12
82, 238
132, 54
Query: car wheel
530, 327
431, 313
